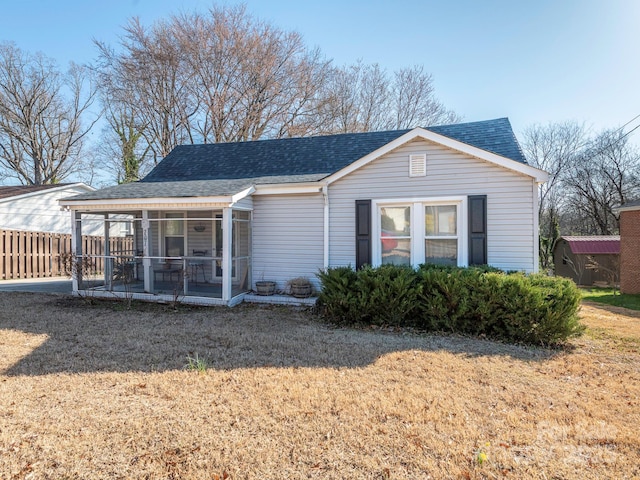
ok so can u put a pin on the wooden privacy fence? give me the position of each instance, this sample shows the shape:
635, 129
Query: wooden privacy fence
39, 254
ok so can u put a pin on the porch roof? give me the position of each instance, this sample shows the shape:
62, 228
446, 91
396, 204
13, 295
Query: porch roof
187, 188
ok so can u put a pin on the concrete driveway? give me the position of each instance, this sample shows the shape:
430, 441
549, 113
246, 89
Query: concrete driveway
38, 285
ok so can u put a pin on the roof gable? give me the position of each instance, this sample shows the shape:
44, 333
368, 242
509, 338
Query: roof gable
320, 156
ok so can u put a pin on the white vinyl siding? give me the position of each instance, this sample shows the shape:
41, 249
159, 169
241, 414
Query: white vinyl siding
41, 212
510, 202
287, 237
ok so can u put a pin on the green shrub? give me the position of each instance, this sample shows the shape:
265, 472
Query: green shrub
338, 298
512, 306
387, 295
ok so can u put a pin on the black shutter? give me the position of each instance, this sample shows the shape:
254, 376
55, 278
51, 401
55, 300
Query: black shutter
477, 229
363, 233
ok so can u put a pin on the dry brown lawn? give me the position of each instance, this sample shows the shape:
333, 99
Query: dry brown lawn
92, 392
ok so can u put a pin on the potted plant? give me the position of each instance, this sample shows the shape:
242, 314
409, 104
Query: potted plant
300, 287
265, 287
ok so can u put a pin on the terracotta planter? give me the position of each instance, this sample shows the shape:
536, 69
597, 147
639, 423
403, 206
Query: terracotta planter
265, 287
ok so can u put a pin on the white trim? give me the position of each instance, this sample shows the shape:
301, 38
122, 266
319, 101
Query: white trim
84, 186
325, 227
162, 232
537, 174
417, 226
288, 188
168, 203
626, 209
223, 201
76, 244
227, 264
242, 195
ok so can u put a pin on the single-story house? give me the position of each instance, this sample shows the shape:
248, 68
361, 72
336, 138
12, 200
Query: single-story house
630, 247
575, 257
35, 208
213, 219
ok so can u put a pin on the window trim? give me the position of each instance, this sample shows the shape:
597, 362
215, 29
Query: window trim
163, 230
418, 236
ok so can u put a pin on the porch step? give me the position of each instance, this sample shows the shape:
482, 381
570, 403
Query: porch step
280, 300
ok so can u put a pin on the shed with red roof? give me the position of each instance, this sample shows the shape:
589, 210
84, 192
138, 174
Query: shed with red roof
588, 260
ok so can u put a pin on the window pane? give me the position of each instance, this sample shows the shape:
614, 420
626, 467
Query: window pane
395, 221
174, 227
441, 252
440, 220
396, 251
174, 246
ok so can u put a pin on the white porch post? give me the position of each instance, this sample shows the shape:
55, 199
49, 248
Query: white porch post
108, 263
227, 238
146, 252
325, 227
76, 249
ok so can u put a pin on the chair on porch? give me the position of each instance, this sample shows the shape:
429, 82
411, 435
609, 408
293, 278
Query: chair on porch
196, 265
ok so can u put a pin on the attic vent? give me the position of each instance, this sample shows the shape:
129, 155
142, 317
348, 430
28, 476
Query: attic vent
418, 165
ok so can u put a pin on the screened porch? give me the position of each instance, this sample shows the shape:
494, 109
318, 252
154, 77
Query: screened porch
195, 256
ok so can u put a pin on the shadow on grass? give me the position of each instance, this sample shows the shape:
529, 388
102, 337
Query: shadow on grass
616, 301
106, 337
613, 306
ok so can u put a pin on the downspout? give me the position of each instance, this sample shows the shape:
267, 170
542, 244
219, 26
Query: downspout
536, 228
325, 196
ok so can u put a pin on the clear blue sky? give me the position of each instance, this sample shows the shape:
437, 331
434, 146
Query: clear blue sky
535, 62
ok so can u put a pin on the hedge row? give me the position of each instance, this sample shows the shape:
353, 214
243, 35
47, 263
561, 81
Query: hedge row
516, 307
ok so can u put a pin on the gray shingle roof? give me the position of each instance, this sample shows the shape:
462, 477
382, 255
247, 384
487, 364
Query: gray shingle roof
227, 168
15, 190
313, 155
189, 188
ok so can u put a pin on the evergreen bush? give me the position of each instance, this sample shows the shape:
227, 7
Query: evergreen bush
479, 301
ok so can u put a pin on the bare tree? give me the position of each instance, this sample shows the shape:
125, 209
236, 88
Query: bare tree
413, 100
553, 148
357, 99
225, 76
366, 98
41, 113
149, 73
251, 79
123, 148
609, 267
604, 176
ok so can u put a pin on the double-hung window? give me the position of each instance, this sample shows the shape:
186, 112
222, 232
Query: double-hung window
441, 234
395, 235
174, 235
421, 231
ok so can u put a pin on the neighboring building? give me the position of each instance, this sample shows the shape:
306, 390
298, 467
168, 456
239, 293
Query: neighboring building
35, 208
630, 247
575, 257
277, 209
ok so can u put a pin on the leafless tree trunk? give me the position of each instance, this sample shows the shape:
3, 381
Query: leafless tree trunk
413, 100
553, 148
365, 98
41, 113
150, 74
251, 79
224, 76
